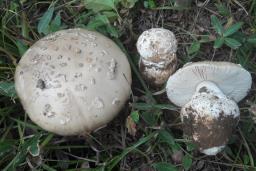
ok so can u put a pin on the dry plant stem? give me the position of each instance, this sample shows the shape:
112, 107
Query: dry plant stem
242, 166
247, 148
183, 3
137, 73
6, 68
14, 60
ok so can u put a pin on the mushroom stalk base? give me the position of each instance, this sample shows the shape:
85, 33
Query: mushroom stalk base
209, 118
158, 69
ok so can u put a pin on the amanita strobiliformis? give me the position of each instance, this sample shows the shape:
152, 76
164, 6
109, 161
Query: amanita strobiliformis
208, 93
73, 81
157, 48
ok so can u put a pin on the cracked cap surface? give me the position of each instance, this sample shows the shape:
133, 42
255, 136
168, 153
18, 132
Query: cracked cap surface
73, 81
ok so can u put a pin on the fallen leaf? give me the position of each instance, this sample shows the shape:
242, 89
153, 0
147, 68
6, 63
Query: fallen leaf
131, 126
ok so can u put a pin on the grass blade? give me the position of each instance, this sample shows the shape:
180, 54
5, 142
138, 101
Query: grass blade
45, 21
163, 166
7, 89
118, 158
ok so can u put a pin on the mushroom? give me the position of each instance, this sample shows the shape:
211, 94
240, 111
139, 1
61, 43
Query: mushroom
157, 48
208, 93
73, 81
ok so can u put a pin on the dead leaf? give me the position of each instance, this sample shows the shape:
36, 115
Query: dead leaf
131, 126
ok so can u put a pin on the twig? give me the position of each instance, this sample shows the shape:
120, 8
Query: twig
247, 148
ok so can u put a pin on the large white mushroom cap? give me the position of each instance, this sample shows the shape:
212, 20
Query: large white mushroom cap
233, 80
73, 81
155, 42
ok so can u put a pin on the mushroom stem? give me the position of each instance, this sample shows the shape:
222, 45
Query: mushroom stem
209, 118
156, 73
209, 88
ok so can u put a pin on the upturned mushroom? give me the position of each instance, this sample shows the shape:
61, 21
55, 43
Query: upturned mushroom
208, 93
73, 81
157, 48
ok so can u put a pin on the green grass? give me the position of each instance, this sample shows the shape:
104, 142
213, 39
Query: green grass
25, 146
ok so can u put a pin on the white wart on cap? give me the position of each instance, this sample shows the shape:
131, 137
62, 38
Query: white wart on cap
73, 81
157, 48
208, 93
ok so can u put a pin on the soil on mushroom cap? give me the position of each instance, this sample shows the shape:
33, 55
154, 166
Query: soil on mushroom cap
207, 132
204, 89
